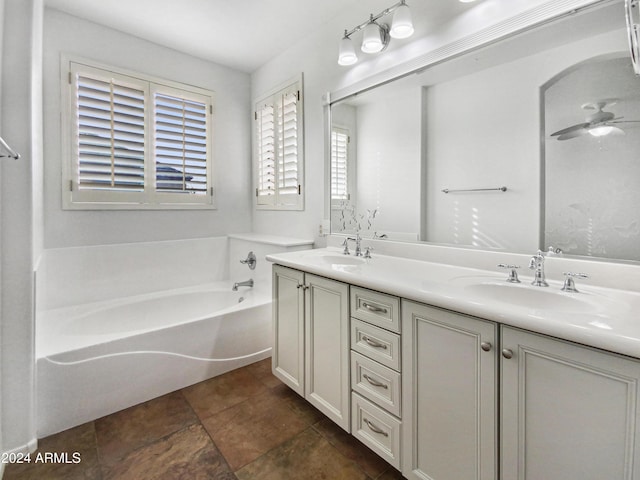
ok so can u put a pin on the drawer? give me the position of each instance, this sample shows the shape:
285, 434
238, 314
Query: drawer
377, 429
375, 382
376, 308
376, 343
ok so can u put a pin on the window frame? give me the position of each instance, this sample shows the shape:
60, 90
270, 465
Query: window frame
278, 201
150, 198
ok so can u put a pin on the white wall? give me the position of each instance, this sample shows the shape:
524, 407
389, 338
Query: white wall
20, 98
389, 162
232, 147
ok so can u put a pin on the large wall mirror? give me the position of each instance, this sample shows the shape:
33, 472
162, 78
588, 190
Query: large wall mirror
530, 142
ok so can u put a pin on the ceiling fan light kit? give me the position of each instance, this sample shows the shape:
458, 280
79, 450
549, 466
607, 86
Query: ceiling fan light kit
598, 124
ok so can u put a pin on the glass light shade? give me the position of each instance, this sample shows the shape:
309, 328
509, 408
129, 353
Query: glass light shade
372, 38
401, 26
347, 55
601, 131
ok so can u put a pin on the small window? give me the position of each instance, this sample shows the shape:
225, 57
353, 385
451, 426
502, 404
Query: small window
136, 142
279, 150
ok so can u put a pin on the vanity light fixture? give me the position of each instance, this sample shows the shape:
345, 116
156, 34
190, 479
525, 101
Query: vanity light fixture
376, 35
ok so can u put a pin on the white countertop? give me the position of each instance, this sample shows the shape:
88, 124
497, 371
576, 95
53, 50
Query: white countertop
600, 317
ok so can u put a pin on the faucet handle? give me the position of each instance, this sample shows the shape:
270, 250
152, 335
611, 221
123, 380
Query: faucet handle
367, 251
569, 284
345, 244
513, 275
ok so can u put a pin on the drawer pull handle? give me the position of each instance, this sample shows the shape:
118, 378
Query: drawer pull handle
373, 308
373, 343
373, 382
375, 429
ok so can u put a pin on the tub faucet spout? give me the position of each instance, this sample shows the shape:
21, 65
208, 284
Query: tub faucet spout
247, 283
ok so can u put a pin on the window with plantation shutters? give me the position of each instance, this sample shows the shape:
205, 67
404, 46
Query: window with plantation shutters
339, 164
136, 142
278, 150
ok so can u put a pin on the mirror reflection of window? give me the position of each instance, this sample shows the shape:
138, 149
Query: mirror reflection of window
339, 164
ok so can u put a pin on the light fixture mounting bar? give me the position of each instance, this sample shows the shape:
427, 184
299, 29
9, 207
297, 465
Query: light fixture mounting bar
373, 18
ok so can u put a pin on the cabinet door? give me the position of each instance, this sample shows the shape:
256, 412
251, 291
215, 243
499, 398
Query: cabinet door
449, 395
327, 348
568, 412
287, 358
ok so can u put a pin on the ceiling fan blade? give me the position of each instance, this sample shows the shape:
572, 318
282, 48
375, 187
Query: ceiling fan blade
574, 133
573, 128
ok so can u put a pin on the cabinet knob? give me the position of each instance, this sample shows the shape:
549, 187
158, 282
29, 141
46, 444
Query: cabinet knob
506, 353
486, 346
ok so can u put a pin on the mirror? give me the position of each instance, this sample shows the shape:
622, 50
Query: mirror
462, 153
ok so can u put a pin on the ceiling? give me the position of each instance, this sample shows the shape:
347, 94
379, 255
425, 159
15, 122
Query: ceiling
241, 34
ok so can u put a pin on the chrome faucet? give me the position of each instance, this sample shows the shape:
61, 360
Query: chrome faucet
537, 263
247, 283
345, 244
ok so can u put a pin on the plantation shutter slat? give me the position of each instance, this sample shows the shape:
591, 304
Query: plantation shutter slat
181, 145
110, 138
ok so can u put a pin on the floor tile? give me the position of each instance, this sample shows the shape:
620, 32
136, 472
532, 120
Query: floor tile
307, 455
391, 474
80, 440
310, 414
221, 392
262, 371
185, 455
253, 427
135, 427
352, 448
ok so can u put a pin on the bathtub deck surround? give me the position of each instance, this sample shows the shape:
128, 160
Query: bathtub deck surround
154, 312
244, 424
447, 364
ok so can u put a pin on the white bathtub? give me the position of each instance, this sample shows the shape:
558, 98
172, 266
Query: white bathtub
98, 358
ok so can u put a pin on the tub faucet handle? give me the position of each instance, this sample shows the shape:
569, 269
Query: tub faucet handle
250, 260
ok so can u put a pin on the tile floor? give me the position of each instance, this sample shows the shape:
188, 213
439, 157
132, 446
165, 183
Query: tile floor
242, 425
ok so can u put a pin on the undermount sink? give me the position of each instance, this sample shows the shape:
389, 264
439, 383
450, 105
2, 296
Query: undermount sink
539, 298
341, 260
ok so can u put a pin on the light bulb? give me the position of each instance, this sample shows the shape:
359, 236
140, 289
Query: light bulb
347, 55
401, 26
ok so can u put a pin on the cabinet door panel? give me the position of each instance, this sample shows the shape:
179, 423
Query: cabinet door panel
449, 395
287, 358
327, 348
568, 411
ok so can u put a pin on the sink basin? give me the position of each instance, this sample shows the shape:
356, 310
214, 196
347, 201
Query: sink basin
538, 298
341, 260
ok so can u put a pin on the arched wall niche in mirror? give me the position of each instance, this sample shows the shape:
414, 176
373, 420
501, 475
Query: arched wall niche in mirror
477, 121
592, 170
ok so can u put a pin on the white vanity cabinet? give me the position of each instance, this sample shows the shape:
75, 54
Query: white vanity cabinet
311, 340
450, 407
567, 411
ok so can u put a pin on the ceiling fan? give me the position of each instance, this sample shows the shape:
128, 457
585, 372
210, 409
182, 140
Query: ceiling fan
597, 124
